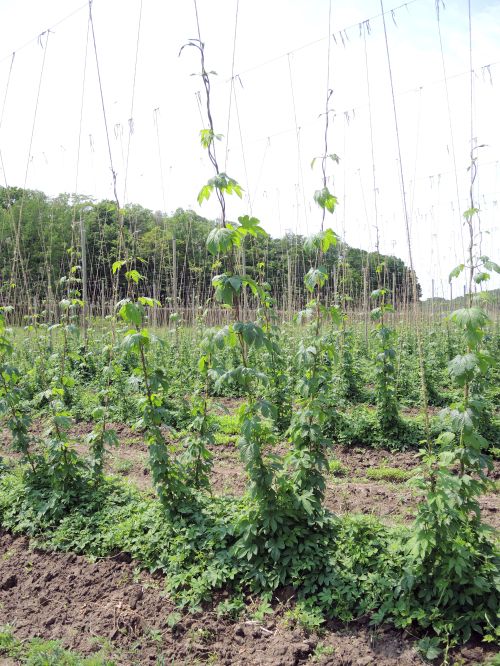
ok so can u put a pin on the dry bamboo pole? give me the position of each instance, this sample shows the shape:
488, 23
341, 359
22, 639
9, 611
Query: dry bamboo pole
85, 312
174, 271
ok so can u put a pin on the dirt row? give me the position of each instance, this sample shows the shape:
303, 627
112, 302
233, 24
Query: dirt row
352, 492
108, 605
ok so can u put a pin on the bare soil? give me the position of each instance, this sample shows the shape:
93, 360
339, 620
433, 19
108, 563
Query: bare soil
351, 493
109, 604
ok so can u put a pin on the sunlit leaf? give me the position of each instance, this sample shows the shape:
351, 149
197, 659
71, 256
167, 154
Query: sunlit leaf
117, 265
325, 199
131, 313
315, 277
456, 272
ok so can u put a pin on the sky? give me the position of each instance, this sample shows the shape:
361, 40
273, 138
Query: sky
274, 63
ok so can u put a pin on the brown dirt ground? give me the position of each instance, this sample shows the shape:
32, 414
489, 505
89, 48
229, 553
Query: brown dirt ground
352, 493
108, 604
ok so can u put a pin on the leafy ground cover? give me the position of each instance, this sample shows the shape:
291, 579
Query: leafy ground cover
125, 521
105, 606
122, 616
361, 479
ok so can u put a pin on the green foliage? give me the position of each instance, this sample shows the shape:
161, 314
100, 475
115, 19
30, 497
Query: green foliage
231, 608
228, 287
472, 320
360, 426
208, 136
322, 650
307, 459
347, 379
227, 423
336, 468
196, 459
9, 646
306, 616
323, 561
222, 239
441, 577
38, 652
315, 278
323, 240
274, 358
102, 437
339, 568
279, 534
306, 464
325, 199
11, 395
454, 563
263, 609
148, 234
430, 648
168, 473
385, 367
223, 184
384, 473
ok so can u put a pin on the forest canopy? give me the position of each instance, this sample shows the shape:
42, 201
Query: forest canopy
37, 233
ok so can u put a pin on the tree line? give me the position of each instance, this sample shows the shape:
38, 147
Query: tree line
42, 237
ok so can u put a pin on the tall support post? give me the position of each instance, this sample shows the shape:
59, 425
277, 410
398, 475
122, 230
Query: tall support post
244, 270
365, 301
85, 311
432, 301
289, 285
174, 273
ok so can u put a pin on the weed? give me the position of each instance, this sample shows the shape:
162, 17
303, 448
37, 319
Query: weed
322, 650
123, 466
263, 609
227, 424
231, 608
38, 652
222, 438
154, 635
306, 616
173, 619
200, 635
9, 646
336, 468
394, 474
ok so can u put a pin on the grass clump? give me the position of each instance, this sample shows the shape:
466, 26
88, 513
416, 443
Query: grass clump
340, 567
336, 468
227, 424
223, 438
394, 474
123, 466
38, 652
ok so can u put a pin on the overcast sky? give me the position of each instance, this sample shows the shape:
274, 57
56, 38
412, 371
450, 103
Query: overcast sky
275, 110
